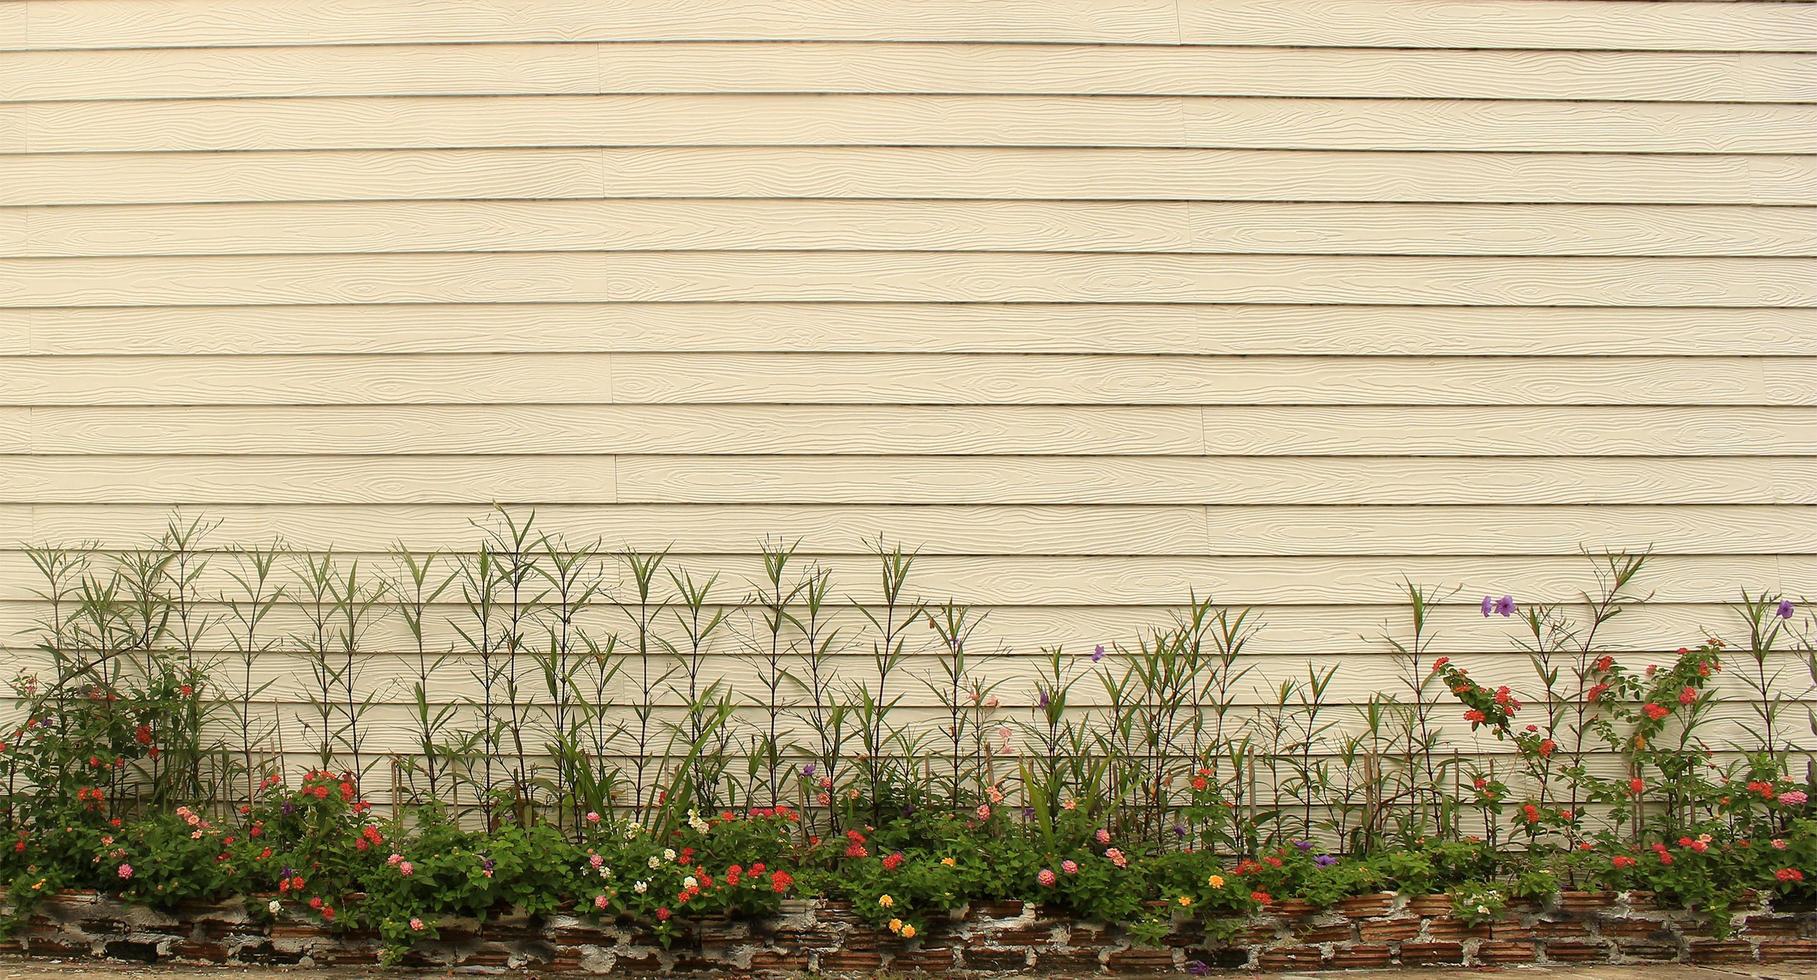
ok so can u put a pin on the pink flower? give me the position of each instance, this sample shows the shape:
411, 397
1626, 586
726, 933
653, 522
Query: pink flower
592, 816
1117, 858
405, 868
1047, 878
599, 902
984, 811
394, 859
1103, 836
1793, 798
125, 871
1070, 867
416, 925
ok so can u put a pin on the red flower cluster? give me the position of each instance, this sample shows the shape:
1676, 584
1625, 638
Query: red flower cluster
1789, 874
855, 847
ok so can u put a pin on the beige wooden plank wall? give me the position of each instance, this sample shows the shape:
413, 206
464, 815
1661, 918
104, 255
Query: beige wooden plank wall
1098, 301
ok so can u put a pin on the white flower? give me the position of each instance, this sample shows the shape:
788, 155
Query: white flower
655, 863
274, 908
690, 882
1482, 910
641, 887
668, 854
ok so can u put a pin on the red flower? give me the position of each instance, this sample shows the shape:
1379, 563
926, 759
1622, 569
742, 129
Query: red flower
1655, 711
662, 914
780, 882
1262, 897
1532, 813
1789, 874
328, 912
1687, 695
1604, 663
1546, 748
1622, 861
1637, 785
142, 735
893, 862
1474, 716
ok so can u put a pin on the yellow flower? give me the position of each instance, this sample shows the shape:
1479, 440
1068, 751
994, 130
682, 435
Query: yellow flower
908, 932
1215, 881
1185, 901
1640, 741
949, 862
895, 925
886, 901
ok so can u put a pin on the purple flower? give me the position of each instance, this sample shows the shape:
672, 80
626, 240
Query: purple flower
1197, 968
1488, 606
808, 770
1097, 654
1785, 609
1324, 860
1302, 846
1044, 699
1028, 813
1504, 606
1179, 830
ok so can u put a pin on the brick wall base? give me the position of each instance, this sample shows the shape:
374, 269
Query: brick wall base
1365, 932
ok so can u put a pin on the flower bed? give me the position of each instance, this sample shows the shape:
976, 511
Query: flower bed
1370, 932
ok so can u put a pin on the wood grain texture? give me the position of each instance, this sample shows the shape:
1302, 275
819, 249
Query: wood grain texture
910, 120
1053, 328
1100, 302
1090, 580
629, 67
868, 430
895, 379
1572, 24
982, 529
933, 226
530, 480
907, 277
948, 173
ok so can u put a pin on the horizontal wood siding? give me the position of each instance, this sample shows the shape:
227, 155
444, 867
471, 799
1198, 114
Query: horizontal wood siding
1101, 303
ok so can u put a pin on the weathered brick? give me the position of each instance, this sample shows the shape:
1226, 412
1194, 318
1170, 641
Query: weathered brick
1560, 929
1429, 904
1388, 930
1636, 949
1140, 960
1719, 951
1631, 928
850, 959
1581, 902
1784, 950
1449, 929
985, 959
1424, 953
779, 961
994, 910
1575, 951
1291, 957
1074, 959
1365, 906
1337, 932
1361, 956
1496, 953
1036, 933
1763, 925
